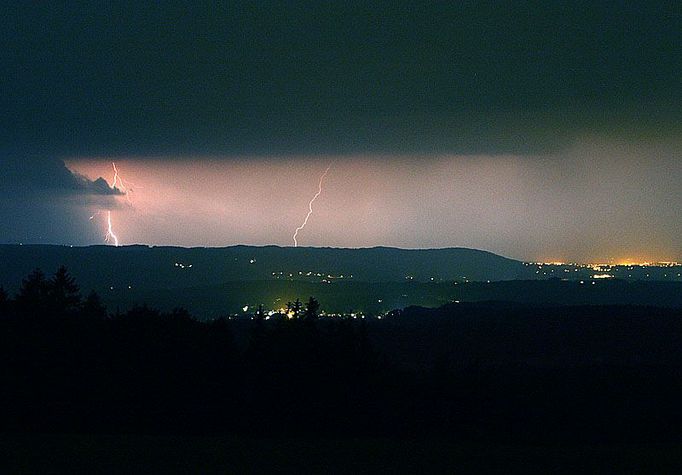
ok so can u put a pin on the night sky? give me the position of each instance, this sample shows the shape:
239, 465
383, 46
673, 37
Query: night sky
537, 130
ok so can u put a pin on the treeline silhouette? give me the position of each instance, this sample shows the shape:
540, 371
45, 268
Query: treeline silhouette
489, 371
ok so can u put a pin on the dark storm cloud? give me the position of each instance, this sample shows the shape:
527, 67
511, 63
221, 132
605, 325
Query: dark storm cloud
29, 173
42, 201
336, 77
98, 186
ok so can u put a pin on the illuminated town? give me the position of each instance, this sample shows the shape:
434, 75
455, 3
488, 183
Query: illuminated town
383, 303
659, 271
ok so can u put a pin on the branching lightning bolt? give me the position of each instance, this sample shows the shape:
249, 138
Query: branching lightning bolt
310, 206
116, 179
110, 236
117, 183
124, 186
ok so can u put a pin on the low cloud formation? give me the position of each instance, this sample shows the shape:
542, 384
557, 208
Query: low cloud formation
98, 186
24, 172
41, 200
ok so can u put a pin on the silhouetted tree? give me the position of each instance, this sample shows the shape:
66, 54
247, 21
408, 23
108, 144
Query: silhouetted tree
181, 314
63, 292
297, 307
260, 313
257, 343
141, 313
312, 309
4, 301
93, 307
33, 296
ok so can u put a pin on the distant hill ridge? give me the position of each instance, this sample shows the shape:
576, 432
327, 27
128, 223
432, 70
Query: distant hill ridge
169, 267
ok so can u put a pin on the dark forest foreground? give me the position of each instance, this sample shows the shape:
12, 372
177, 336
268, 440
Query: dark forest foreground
466, 385
171, 454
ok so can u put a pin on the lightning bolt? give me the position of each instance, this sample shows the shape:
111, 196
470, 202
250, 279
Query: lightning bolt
116, 178
110, 236
310, 206
124, 186
117, 183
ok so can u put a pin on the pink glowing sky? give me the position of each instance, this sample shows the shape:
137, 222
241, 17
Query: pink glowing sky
567, 207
